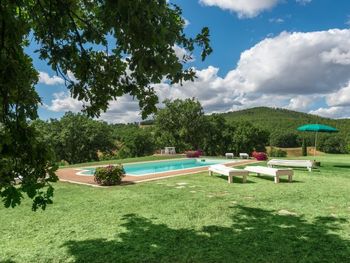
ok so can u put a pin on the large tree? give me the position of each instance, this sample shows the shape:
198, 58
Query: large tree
181, 124
103, 49
217, 135
245, 137
76, 138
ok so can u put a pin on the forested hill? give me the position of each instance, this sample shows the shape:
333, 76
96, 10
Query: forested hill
275, 119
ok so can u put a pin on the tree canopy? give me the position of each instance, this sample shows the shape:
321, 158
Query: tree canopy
180, 124
103, 49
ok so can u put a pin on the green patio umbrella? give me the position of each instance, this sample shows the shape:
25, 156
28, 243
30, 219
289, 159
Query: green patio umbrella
317, 128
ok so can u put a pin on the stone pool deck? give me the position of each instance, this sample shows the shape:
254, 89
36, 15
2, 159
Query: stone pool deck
69, 174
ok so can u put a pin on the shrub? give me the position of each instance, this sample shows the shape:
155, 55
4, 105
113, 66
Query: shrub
333, 144
193, 154
259, 156
136, 142
277, 152
107, 156
304, 148
110, 175
284, 139
245, 137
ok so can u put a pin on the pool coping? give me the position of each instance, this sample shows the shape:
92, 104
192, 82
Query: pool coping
224, 161
69, 174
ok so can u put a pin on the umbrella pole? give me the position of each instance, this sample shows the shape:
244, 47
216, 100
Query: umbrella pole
315, 144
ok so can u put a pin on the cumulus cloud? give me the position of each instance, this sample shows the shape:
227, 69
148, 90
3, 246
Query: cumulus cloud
182, 54
123, 110
339, 98
333, 112
292, 70
63, 102
45, 78
295, 64
243, 8
301, 103
337, 56
207, 88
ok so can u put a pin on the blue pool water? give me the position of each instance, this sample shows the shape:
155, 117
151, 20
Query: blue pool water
141, 169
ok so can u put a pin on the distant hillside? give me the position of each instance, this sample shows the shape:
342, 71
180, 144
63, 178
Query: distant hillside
283, 120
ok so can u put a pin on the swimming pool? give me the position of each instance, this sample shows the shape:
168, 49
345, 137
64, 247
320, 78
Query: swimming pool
141, 169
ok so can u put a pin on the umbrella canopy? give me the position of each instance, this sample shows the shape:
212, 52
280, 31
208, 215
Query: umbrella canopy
316, 128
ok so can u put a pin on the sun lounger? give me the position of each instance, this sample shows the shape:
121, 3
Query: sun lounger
276, 173
228, 171
229, 155
244, 156
292, 163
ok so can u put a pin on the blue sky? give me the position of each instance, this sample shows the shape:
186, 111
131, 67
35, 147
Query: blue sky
293, 54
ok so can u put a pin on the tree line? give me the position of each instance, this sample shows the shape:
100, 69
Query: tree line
282, 125
76, 138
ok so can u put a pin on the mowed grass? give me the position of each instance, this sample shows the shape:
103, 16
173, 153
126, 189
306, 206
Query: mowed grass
191, 218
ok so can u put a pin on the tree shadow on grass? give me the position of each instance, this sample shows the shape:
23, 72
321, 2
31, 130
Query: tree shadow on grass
345, 166
302, 169
236, 179
256, 235
282, 179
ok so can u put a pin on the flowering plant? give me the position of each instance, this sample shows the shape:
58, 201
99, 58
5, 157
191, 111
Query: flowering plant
194, 154
109, 175
260, 156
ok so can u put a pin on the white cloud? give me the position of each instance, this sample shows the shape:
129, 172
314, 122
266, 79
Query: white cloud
303, 2
340, 98
276, 20
63, 102
294, 64
333, 112
183, 55
207, 88
301, 103
71, 76
337, 55
187, 22
292, 70
44, 78
243, 8
123, 110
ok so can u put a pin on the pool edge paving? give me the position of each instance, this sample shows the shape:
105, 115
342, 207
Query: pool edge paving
69, 174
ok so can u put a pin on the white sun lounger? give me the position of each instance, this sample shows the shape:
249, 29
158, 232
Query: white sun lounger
244, 156
229, 155
292, 163
276, 173
228, 171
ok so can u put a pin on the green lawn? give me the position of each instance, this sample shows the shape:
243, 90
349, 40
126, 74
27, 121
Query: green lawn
194, 218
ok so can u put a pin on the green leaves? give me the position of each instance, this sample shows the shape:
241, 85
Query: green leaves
76, 138
72, 35
10, 196
42, 199
180, 124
